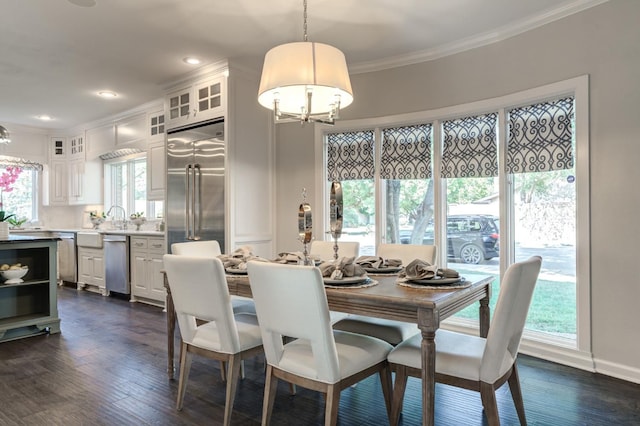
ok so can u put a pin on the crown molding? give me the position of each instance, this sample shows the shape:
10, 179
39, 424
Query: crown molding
499, 34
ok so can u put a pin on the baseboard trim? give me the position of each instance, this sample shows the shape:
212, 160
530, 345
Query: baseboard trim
619, 371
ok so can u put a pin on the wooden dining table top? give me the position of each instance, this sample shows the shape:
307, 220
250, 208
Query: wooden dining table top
387, 299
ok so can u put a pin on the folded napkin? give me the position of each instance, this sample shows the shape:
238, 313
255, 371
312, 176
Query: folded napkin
289, 257
238, 259
423, 270
376, 262
340, 268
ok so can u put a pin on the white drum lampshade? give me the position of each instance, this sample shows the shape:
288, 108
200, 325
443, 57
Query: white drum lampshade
291, 71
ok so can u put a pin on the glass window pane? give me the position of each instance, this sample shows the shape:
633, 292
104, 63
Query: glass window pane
140, 186
359, 219
545, 225
409, 211
17, 194
473, 231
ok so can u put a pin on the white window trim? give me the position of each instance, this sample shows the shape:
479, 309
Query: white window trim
536, 344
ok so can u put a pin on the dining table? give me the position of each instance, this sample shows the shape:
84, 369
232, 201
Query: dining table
426, 306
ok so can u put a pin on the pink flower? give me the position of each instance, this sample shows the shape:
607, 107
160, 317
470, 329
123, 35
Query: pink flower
7, 179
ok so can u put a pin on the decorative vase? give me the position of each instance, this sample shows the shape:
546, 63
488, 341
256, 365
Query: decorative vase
4, 229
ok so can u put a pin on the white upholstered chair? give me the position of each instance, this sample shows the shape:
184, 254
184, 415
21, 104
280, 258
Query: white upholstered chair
473, 362
199, 289
390, 331
211, 249
324, 249
291, 301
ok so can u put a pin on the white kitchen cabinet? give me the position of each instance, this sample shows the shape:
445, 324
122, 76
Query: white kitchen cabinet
56, 184
76, 147
91, 270
156, 171
156, 126
72, 182
85, 182
58, 149
147, 278
100, 140
203, 100
131, 132
156, 156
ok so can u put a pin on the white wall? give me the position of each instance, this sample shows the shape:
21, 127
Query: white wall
603, 42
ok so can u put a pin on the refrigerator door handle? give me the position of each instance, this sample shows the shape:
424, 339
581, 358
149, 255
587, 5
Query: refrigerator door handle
187, 202
197, 202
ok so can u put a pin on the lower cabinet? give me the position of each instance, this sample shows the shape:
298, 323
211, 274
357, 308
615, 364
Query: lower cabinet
147, 278
91, 270
29, 306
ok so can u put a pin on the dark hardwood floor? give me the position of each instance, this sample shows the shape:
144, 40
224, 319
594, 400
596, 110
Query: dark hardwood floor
107, 367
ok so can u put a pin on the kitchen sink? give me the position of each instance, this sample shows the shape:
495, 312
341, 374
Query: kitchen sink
89, 239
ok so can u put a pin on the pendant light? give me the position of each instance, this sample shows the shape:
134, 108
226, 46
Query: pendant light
4, 136
305, 81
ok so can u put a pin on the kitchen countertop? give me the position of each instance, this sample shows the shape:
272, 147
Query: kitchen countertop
128, 232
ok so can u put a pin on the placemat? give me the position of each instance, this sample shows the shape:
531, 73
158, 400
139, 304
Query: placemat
403, 282
368, 283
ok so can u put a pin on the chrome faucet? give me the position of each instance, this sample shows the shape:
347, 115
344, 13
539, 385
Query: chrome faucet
123, 224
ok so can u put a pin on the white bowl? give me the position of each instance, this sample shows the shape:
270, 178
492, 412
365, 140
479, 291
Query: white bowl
14, 276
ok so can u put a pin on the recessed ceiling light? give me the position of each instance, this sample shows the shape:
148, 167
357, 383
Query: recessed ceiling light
191, 60
107, 94
44, 117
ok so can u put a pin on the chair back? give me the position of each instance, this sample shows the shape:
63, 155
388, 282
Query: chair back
199, 289
291, 301
408, 252
324, 249
505, 333
210, 248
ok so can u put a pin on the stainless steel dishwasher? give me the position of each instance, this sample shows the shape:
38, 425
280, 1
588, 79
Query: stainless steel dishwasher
67, 266
116, 259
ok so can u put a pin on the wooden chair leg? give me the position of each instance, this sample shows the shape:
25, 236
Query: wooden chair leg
398, 394
223, 370
488, 396
516, 394
232, 383
387, 388
332, 404
270, 387
185, 367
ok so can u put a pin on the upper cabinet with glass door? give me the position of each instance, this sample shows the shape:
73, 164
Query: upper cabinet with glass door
76, 147
200, 101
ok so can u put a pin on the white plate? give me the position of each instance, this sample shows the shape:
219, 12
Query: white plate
236, 271
347, 280
385, 270
436, 281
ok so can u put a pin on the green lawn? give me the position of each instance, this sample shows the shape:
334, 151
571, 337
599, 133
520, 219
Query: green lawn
553, 309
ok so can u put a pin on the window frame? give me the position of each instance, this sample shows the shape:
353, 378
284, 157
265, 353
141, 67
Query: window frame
537, 344
109, 181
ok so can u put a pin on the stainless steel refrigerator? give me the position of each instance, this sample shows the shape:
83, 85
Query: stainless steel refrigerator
195, 183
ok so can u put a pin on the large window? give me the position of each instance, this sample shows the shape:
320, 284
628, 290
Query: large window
18, 193
126, 186
502, 180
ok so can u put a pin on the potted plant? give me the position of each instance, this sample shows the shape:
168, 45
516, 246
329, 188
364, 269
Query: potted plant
97, 219
15, 222
137, 219
4, 224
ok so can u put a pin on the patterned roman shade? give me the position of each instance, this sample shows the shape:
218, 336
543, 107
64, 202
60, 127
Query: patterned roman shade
470, 148
541, 137
350, 156
406, 152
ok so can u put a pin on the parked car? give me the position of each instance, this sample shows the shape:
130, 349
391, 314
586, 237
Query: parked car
471, 238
